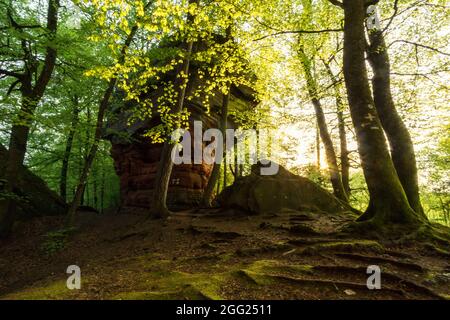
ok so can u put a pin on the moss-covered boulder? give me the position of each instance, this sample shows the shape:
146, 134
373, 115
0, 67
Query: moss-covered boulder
258, 193
34, 196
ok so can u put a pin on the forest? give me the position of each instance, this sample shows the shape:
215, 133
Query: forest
224, 149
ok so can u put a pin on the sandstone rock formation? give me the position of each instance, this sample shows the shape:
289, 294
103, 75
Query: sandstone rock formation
136, 158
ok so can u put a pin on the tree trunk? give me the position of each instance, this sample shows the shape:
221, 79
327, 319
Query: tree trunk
345, 163
17, 149
218, 183
236, 164
102, 191
388, 202
333, 168
70, 218
317, 147
159, 207
31, 96
225, 169
402, 148
215, 174
68, 151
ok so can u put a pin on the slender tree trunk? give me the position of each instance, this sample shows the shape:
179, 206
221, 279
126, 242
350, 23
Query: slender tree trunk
333, 168
317, 146
80, 172
31, 96
86, 193
159, 207
102, 191
218, 183
225, 169
402, 148
68, 150
236, 164
388, 202
215, 174
94, 186
70, 218
345, 163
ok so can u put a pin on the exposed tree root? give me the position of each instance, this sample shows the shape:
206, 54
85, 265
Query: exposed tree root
385, 276
378, 259
265, 279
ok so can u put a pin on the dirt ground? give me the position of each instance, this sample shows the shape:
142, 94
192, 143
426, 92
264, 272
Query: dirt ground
212, 254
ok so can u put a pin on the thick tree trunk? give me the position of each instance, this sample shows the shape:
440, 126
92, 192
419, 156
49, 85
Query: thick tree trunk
16, 155
402, 148
68, 151
388, 202
31, 96
215, 174
335, 177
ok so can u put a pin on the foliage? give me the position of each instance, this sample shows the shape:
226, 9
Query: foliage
55, 240
240, 42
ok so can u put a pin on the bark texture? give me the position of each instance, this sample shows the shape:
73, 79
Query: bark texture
401, 145
388, 201
215, 174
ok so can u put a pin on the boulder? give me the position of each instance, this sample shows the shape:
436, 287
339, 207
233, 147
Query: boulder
260, 194
37, 198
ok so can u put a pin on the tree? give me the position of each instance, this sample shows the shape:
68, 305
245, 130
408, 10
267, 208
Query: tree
159, 207
215, 174
330, 153
345, 162
68, 149
388, 201
103, 105
32, 92
402, 148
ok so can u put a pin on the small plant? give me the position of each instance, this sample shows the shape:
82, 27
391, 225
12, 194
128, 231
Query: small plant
56, 240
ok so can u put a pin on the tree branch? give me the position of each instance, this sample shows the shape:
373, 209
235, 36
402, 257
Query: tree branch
298, 32
50, 57
337, 3
11, 73
421, 46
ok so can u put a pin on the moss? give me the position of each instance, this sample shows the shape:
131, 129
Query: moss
186, 293
170, 285
56, 240
50, 291
347, 246
274, 266
261, 272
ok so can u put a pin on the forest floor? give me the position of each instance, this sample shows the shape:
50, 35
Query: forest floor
212, 254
